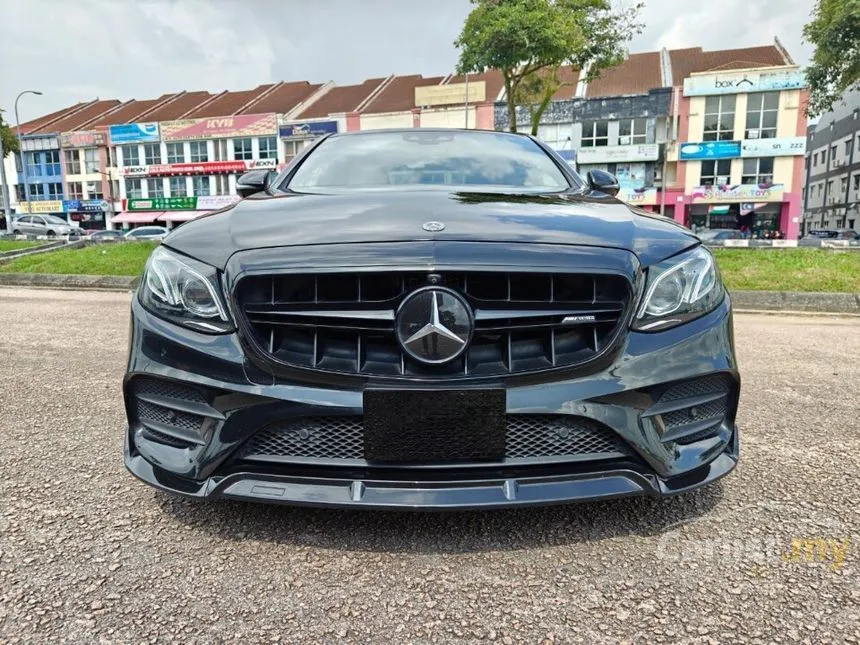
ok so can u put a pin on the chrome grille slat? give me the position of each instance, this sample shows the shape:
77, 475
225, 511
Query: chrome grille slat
344, 322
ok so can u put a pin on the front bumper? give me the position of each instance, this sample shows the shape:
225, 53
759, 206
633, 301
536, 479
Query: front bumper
621, 397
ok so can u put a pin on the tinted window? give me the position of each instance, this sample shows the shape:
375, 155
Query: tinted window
391, 160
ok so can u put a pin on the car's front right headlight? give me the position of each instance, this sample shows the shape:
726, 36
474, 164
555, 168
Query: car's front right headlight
680, 289
184, 291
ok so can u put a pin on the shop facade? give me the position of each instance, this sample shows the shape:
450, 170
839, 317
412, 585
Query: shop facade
741, 152
44, 176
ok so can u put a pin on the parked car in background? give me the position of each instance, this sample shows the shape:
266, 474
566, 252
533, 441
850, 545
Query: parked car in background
106, 236
720, 234
49, 225
147, 233
823, 233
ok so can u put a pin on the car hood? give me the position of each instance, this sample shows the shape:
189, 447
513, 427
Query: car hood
398, 216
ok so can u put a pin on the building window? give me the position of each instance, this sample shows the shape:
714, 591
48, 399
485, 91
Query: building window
595, 133
220, 148
243, 149
95, 190
762, 110
758, 171
91, 160
152, 153
201, 186
847, 147
632, 131
716, 173
268, 148
76, 190
199, 151
155, 187
719, 118
133, 187
178, 187
73, 162
815, 160
292, 148
131, 155
856, 182
54, 191
222, 184
843, 186
176, 152
52, 164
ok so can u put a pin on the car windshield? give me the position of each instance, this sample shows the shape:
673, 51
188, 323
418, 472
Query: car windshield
475, 161
53, 219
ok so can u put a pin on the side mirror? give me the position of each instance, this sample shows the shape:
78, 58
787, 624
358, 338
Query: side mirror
255, 181
603, 182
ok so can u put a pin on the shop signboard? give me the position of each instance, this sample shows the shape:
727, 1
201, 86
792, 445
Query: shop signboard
451, 94
133, 133
738, 193
207, 202
41, 207
710, 150
613, 154
201, 168
744, 81
82, 139
307, 130
224, 127
776, 147
642, 196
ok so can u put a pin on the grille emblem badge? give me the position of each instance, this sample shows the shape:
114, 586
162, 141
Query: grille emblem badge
434, 325
433, 227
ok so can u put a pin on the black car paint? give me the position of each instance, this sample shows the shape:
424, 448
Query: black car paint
279, 229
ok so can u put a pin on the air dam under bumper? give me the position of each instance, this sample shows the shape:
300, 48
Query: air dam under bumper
632, 397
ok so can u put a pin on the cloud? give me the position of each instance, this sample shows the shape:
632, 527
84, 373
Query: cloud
75, 51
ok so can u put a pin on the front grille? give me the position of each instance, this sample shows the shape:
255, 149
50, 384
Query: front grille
344, 323
711, 410
143, 385
529, 437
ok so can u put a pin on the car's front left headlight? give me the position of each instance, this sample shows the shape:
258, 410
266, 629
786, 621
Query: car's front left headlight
680, 289
184, 291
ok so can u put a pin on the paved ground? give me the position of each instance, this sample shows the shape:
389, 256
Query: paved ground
87, 554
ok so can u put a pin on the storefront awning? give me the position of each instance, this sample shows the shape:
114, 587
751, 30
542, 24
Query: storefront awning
142, 217
180, 216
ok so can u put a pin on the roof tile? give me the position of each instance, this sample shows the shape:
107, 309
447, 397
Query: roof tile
228, 103
283, 98
177, 107
636, 75
77, 120
694, 59
340, 99
399, 94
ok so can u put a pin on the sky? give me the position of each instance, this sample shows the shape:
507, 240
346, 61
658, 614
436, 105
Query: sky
83, 49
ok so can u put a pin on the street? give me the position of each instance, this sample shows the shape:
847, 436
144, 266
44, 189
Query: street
89, 554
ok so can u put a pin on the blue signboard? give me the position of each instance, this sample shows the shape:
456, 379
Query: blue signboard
70, 205
84, 205
710, 150
133, 132
308, 129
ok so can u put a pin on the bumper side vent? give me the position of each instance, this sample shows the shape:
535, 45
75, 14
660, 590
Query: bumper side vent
692, 410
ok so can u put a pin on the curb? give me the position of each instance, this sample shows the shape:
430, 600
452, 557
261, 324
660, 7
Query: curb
59, 281
838, 303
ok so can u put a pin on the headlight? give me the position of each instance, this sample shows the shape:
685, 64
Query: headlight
680, 289
183, 291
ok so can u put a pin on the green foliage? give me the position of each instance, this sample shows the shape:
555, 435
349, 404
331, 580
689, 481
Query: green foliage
529, 40
835, 67
10, 142
790, 269
113, 258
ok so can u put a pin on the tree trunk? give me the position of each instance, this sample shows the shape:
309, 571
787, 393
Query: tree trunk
512, 106
541, 108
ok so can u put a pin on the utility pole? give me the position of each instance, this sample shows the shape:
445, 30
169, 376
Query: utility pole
7, 209
21, 145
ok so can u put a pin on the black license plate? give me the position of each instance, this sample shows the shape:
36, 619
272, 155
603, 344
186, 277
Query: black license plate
441, 426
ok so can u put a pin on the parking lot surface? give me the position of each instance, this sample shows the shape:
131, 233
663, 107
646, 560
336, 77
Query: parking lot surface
89, 554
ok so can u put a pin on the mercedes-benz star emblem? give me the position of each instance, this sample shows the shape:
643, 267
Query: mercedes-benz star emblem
433, 227
434, 325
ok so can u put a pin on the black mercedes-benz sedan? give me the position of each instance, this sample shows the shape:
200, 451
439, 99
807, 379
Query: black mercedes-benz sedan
430, 319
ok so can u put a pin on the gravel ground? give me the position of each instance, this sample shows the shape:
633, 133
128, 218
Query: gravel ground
88, 554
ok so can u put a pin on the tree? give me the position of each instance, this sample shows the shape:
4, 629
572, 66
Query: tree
835, 66
10, 142
528, 41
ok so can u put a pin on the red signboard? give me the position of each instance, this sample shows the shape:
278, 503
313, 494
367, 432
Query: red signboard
202, 168
243, 125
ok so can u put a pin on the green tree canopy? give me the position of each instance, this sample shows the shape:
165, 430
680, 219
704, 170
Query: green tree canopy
529, 40
835, 67
10, 142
